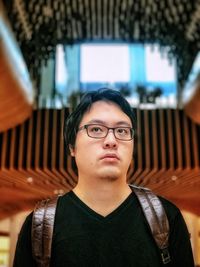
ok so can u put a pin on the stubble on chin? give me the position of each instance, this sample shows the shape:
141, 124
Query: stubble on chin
110, 175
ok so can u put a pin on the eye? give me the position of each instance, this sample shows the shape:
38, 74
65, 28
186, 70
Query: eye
123, 131
96, 128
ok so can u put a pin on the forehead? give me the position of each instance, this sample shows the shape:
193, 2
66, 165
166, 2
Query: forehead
105, 112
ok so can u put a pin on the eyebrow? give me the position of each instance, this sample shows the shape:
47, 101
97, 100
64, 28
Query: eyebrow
119, 123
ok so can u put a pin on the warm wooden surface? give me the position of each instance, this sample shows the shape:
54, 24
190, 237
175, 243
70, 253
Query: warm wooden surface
16, 91
33, 163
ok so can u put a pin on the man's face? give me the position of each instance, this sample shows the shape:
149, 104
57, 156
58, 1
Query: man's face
108, 157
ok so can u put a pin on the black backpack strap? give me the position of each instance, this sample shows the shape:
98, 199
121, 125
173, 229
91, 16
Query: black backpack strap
42, 231
156, 218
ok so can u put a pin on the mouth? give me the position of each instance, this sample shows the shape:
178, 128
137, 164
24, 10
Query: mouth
110, 157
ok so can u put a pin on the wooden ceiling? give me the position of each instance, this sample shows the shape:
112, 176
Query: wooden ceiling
34, 165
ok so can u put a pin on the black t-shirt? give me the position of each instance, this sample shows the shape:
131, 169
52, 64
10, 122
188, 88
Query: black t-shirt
83, 238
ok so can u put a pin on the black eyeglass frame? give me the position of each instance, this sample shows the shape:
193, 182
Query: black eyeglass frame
108, 128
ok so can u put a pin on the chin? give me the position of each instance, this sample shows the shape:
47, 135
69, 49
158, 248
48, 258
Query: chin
111, 175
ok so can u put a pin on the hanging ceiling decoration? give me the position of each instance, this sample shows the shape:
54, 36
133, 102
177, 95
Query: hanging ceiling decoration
40, 25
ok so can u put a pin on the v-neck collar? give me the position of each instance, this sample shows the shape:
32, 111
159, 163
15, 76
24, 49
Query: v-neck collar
95, 214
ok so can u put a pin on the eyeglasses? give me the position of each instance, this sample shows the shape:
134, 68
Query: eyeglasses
101, 131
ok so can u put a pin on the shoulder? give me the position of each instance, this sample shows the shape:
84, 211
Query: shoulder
170, 208
27, 222
54, 201
65, 199
173, 213
25, 231
65, 204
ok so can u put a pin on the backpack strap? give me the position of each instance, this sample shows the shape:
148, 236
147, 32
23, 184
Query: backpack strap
156, 218
42, 231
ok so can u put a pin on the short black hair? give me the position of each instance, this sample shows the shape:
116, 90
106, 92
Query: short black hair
72, 121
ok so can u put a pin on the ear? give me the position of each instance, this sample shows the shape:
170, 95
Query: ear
72, 151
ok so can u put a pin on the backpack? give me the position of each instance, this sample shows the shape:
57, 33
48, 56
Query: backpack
44, 216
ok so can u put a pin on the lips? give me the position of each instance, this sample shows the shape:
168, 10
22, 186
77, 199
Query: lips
110, 156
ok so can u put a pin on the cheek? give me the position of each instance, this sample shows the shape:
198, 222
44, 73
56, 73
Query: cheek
85, 160
129, 152
129, 148
84, 152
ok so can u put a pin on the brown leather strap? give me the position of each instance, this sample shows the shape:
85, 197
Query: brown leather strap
42, 231
156, 218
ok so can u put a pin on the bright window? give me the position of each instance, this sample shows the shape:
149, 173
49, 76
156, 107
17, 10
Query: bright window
104, 63
158, 67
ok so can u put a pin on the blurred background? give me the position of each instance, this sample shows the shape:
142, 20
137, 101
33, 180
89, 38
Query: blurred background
52, 51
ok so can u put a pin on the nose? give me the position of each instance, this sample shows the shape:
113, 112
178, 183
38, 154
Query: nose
110, 140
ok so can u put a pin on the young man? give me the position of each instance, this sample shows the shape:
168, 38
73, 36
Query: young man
100, 222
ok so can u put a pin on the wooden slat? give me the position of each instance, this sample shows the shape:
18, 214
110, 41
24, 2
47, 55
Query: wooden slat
155, 147
138, 147
178, 139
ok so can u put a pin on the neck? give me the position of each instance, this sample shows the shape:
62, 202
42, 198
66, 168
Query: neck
103, 196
